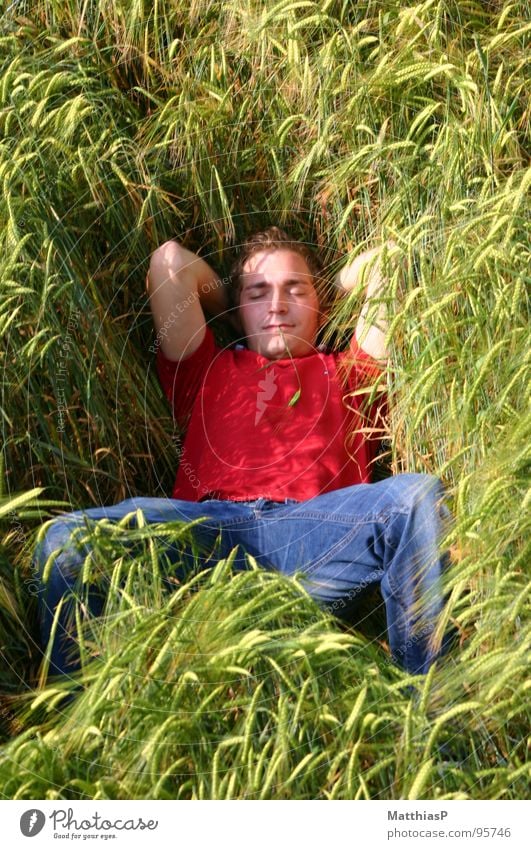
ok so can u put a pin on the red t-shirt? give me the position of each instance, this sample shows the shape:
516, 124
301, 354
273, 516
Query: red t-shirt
276, 429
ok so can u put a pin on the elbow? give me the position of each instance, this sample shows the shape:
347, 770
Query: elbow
169, 256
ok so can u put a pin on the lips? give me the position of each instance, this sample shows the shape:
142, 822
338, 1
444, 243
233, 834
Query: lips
278, 326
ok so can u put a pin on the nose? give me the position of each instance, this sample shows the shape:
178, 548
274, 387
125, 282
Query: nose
278, 302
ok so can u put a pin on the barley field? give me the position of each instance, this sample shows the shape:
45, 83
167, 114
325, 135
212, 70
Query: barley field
126, 123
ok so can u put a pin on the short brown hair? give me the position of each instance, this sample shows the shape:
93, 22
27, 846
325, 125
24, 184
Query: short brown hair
274, 239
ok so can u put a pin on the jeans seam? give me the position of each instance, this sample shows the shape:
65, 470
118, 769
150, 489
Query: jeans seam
337, 518
395, 589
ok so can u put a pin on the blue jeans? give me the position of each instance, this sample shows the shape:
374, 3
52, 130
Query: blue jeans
345, 542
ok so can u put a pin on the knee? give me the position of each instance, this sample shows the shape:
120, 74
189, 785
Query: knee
412, 489
421, 482
56, 540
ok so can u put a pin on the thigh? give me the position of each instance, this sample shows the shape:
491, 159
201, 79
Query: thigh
336, 542
67, 540
154, 510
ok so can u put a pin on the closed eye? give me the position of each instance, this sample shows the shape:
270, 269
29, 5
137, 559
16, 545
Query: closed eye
296, 287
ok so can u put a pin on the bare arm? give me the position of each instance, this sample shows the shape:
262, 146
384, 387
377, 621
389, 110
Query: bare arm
366, 271
180, 284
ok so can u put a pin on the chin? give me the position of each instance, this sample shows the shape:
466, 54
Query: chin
276, 348
282, 352
275, 352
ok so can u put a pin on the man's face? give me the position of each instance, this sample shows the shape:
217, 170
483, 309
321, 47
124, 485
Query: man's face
279, 307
